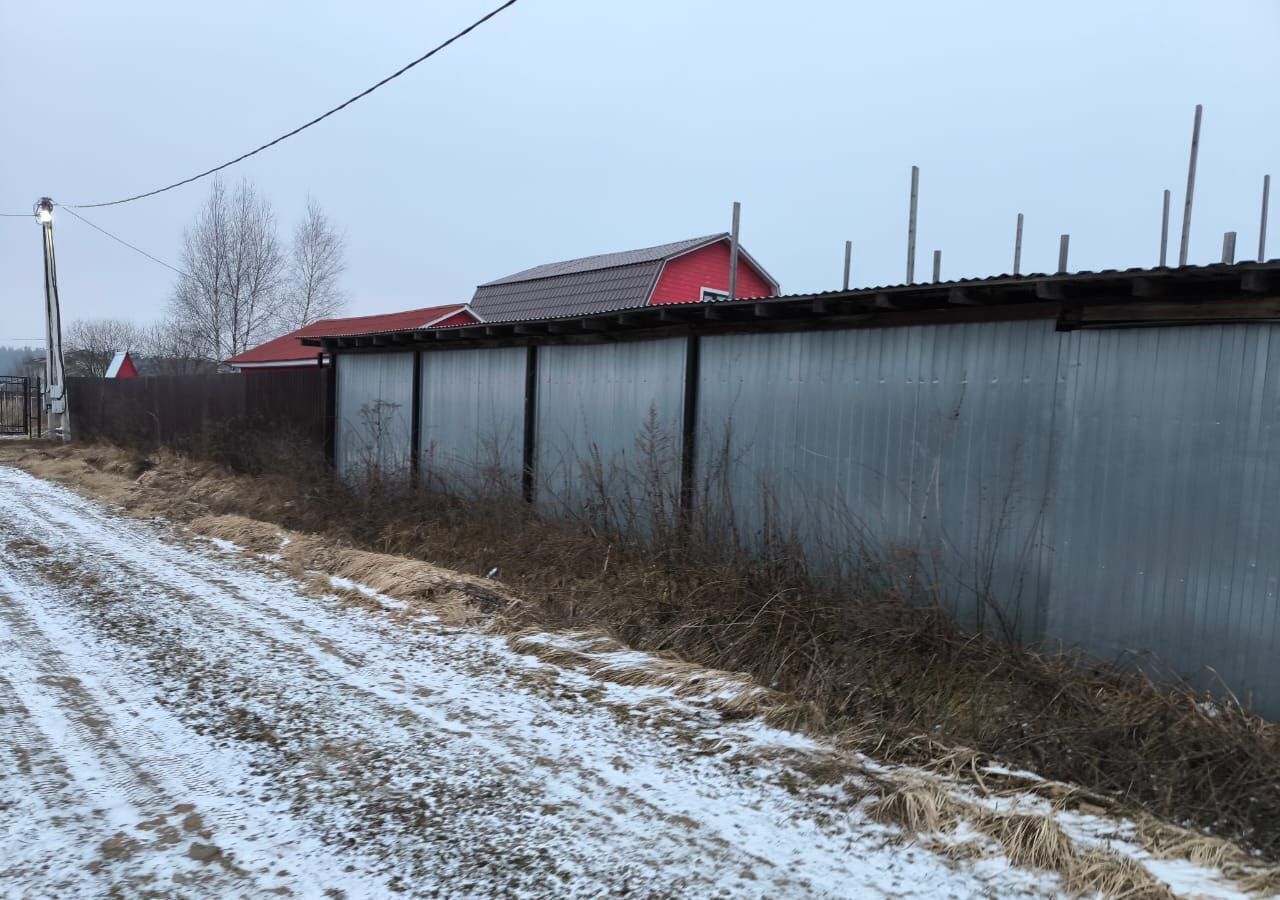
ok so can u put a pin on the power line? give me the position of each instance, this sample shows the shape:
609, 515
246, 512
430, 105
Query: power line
318, 119
126, 243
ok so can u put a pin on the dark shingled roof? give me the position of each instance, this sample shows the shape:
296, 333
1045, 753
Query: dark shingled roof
577, 287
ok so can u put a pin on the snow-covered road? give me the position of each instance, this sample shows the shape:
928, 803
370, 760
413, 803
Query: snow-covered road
182, 718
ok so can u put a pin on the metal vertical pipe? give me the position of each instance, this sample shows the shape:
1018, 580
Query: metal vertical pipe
528, 473
1063, 242
937, 266
415, 423
1229, 247
330, 379
689, 428
1017, 248
1191, 188
1262, 226
848, 259
911, 225
733, 253
1164, 232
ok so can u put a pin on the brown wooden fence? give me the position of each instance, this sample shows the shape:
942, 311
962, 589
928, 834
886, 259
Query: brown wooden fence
204, 412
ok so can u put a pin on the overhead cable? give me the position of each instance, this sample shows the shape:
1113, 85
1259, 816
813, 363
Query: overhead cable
126, 243
318, 119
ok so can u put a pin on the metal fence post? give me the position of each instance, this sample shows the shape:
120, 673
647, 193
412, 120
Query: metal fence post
528, 474
689, 427
415, 422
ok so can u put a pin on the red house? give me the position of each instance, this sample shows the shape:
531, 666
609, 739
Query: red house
121, 366
691, 271
287, 352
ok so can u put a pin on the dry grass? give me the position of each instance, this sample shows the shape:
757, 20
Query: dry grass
928, 808
1032, 841
917, 807
868, 659
1111, 875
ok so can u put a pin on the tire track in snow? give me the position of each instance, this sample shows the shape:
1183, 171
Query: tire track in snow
425, 757
580, 800
131, 791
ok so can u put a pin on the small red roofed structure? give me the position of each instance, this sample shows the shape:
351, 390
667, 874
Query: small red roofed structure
121, 366
287, 352
690, 271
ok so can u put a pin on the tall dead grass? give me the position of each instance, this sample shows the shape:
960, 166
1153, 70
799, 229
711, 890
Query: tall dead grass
870, 657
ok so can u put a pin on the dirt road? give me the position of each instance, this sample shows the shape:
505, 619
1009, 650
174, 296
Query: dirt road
181, 718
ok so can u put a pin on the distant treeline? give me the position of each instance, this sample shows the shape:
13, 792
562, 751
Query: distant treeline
13, 360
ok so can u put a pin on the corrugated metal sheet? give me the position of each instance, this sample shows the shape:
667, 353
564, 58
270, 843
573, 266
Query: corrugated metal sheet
575, 294
1165, 525
1113, 489
374, 416
1109, 489
473, 419
928, 436
609, 414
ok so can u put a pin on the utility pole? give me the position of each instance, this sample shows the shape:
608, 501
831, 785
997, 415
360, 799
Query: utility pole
55, 397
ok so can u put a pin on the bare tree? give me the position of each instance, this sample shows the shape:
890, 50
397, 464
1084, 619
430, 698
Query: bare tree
89, 344
169, 348
317, 261
230, 299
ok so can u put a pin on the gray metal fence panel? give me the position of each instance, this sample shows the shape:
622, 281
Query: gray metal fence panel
932, 438
374, 414
1111, 489
1166, 525
473, 419
609, 417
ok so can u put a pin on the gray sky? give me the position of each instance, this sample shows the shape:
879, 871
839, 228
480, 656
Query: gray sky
570, 127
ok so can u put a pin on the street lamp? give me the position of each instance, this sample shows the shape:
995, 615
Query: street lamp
55, 399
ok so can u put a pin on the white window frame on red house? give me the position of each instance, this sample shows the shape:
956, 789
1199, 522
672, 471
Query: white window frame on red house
716, 295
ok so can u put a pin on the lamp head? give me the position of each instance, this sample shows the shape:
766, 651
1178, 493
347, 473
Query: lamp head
44, 211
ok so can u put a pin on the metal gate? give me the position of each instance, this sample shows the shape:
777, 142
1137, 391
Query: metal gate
20, 412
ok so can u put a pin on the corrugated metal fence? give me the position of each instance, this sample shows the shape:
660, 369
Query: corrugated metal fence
1111, 489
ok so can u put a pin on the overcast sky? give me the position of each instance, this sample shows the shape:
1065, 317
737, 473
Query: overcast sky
570, 127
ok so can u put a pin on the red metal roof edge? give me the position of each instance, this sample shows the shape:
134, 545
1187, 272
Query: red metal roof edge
324, 328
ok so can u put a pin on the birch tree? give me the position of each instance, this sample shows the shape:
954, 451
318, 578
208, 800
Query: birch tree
231, 297
316, 263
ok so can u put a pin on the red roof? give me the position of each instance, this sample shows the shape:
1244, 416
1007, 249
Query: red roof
288, 349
